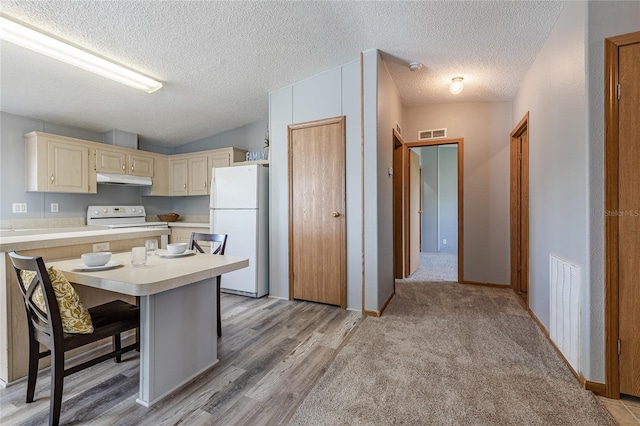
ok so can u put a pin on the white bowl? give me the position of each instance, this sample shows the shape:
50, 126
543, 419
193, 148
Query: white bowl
99, 258
177, 248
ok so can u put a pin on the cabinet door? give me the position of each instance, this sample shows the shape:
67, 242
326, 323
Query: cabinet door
178, 177
140, 165
216, 160
68, 167
198, 176
160, 179
111, 161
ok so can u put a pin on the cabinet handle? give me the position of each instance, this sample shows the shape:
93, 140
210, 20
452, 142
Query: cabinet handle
185, 186
52, 179
123, 168
131, 168
335, 214
205, 184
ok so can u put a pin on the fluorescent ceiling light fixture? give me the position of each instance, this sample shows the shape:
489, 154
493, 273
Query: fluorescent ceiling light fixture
456, 85
38, 42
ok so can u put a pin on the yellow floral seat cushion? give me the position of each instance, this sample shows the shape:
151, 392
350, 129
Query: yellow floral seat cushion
75, 317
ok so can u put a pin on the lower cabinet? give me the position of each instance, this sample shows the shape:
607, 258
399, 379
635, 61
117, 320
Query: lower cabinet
182, 234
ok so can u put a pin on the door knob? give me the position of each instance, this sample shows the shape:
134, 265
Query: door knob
335, 214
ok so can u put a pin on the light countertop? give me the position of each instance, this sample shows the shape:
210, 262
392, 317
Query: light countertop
188, 224
58, 237
158, 275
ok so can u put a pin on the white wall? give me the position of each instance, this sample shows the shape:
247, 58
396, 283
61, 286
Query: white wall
448, 198
485, 128
429, 163
330, 94
553, 91
606, 19
249, 137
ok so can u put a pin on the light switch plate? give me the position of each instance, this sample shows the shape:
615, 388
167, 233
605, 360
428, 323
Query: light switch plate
54, 207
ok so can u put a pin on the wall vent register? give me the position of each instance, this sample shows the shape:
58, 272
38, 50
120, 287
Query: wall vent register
432, 134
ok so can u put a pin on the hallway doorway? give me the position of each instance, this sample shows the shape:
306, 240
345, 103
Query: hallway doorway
433, 218
428, 220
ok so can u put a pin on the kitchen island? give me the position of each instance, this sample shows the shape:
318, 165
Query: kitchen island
178, 335
53, 244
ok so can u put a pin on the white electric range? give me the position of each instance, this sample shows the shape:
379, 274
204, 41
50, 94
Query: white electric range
123, 217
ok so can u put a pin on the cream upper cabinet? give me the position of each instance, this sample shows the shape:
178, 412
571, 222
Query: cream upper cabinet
140, 165
121, 161
198, 175
160, 179
220, 160
58, 164
61, 164
178, 175
111, 161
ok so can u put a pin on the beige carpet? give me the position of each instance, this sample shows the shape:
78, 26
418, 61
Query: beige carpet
435, 267
449, 354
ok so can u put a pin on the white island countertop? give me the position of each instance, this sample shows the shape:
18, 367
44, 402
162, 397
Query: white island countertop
178, 309
58, 237
158, 275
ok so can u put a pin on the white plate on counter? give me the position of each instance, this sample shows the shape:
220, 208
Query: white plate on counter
109, 265
164, 253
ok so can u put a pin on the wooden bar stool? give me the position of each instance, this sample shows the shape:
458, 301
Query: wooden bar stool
46, 326
219, 242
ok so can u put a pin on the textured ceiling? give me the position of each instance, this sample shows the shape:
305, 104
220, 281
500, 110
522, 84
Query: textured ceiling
219, 60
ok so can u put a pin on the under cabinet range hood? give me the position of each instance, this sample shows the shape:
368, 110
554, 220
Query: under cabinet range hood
122, 179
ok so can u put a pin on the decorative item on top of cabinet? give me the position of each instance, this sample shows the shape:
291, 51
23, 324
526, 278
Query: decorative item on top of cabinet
58, 164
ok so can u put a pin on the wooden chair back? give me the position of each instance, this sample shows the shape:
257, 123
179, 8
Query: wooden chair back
220, 239
43, 326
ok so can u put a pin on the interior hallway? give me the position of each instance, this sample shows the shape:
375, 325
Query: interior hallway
435, 267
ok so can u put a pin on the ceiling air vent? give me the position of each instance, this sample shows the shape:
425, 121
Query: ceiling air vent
432, 134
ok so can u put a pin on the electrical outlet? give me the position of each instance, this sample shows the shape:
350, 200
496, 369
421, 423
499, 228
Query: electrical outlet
101, 247
54, 207
444, 241
19, 207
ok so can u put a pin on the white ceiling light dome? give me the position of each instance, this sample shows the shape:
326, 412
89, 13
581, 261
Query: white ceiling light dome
456, 85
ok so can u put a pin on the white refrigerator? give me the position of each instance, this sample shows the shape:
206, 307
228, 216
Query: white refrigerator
239, 207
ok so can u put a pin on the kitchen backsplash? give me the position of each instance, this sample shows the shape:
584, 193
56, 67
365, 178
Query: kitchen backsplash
61, 222
64, 222
183, 218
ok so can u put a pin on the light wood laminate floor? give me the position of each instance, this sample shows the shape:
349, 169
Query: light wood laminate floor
271, 354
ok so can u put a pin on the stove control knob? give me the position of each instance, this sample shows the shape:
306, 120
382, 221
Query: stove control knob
96, 212
104, 210
133, 210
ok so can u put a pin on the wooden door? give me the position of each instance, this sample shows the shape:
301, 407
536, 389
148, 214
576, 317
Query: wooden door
178, 177
68, 167
519, 152
415, 208
317, 237
398, 207
629, 218
198, 175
